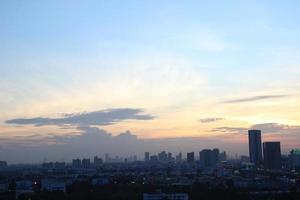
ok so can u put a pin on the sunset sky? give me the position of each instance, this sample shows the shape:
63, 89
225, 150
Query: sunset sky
207, 70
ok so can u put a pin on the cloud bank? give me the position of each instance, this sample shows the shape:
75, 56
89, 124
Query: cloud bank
101, 118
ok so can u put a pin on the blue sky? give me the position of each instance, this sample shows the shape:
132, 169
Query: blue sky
178, 61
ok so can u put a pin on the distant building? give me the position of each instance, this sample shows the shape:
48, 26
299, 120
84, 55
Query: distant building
76, 163
179, 157
255, 149
153, 158
53, 185
86, 163
170, 157
97, 161
215, 156
59, 165
190, 157
209, 158
147, 156
294, 159
163, 196
223, 156
245, 159
23, 187
107, 159
162, 156
3, 164
272, 155
100, 181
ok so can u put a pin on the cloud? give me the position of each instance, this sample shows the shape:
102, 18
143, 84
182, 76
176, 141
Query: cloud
254, 98
101, 117
210, 119
267, 128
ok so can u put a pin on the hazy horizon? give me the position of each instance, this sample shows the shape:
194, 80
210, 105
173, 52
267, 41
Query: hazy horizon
179, 76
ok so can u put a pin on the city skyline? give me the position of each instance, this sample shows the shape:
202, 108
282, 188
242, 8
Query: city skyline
137, 76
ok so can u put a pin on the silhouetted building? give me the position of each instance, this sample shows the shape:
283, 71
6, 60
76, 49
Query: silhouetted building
272, 155
86, 163
209, 158
97, 161
162, 156
222, 156
107, 159
190, 157
245, 159
3, 164
154, 158
147, 156
170, 158
76, 163
294, 159
59, 165
215, 156
255, 149
179, 158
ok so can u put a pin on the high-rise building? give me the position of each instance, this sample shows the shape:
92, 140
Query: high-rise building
294, 159
179, 157
163, 156
97, 161
147, 156
107, 158
215, 156
86, 163
222, 156
76, 163
209, 158
255, 151
190, 157
170, 157
154, 158
272, 155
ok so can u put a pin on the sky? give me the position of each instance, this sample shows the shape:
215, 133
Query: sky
146, 76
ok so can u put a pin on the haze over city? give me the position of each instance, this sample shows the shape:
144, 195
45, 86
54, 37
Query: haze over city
124, 77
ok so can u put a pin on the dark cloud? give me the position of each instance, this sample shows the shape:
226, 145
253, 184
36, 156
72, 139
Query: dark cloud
101, 117
210, 119
254, 98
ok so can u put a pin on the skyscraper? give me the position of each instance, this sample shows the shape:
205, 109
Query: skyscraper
272, 155
190, 157
209, 158
255, 151
147, 156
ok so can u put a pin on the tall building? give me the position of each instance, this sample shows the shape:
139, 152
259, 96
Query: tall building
147, 156
97, 161
272, 155
76, 163
86, 163
154, 158
255, 151
190, 157
215, 156
222, 156
163, 156
209, 158
294, 159
179, 157
107, 158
